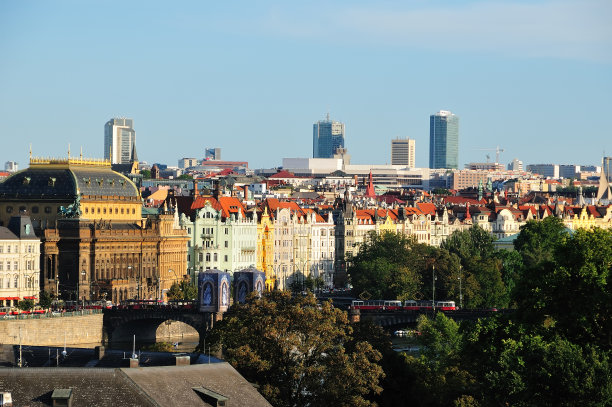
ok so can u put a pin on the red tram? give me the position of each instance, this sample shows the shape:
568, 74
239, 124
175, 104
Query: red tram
408, 305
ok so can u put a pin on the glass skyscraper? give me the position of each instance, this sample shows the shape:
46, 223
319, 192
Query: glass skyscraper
327, 136
443, 140
119, 140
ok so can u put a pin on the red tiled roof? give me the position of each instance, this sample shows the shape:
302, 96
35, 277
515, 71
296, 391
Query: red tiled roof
200, 201
283, 174
460, 200
427, 208
231, 206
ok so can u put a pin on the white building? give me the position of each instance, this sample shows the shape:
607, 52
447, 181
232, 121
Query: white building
119, 140
402, 152
19, 262
11, 166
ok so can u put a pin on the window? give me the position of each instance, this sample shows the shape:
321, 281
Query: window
47, 209
8, 266
225, 258
16, 282
207, 256
227, 231
226, 243
1, 268
215, 257
200, 257
9, 209
35, 209
1, 248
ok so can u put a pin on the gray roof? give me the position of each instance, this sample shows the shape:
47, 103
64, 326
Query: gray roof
90, 386
66, 183
118, 387
167, 385
6, 234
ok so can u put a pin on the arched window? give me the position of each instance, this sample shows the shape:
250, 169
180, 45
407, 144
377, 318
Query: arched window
16, 281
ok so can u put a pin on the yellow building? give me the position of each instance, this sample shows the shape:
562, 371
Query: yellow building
95, 243
265, 248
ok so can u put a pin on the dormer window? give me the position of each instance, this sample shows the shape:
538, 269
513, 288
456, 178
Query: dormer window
51, 181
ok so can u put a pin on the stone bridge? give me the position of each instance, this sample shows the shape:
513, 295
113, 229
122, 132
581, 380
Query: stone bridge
119, 324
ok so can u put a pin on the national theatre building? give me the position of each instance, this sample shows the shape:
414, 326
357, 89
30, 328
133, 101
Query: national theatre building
95, 243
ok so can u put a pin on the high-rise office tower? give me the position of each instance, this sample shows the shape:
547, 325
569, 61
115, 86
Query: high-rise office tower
119, 140
327, 136
402, 152
213, 153
443, 140
607, 167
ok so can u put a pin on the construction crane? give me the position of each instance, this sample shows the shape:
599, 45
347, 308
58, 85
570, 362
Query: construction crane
497, 151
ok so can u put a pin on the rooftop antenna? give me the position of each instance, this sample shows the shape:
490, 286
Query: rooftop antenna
81, 152
68, 150
327, 116
30, 151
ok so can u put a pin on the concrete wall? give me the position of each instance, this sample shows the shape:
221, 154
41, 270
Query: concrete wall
85, 329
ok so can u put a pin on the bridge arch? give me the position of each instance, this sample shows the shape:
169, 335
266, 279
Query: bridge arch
144, 323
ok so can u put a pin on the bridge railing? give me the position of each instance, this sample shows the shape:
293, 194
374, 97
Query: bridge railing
50, 314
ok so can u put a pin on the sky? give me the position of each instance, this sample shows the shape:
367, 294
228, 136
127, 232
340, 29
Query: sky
532, 77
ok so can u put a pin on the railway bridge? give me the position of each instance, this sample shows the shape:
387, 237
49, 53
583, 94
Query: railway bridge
393, 319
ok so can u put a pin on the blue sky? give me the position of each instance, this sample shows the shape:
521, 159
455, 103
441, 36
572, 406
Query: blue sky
533, 77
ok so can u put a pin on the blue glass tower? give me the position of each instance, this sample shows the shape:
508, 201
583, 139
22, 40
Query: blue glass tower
443, 140
327, 136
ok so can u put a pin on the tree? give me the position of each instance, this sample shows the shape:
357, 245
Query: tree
580, 294
25, 305
515, 366
300, 353
436, 376
387, 266
146, 174
184, 176
184, 290
481, 268
45, 300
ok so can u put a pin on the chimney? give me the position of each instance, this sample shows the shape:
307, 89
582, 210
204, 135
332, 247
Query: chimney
246, 192
133, 363
62, 397
182, 360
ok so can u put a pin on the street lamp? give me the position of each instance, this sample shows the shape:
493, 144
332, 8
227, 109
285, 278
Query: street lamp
433, 287
78, 288
460, 292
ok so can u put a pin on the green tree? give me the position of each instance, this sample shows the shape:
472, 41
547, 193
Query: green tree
25, 305
579, 295
481, 269
146, 174
184, 290
515, 366
45, 300
300, 353
184, 176
436, 375
387, 266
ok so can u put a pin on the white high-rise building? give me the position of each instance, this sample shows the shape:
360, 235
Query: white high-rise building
119, 140
515, 165
402, 152
11, 166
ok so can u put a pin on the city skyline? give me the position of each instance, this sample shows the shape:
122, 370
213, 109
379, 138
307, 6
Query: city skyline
219, 71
